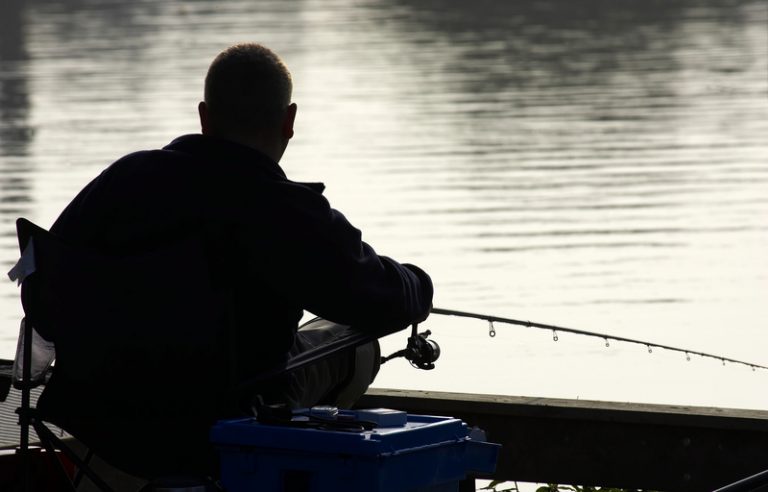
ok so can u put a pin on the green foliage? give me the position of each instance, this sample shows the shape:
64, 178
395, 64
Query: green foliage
493, 486
586, 488
552, 487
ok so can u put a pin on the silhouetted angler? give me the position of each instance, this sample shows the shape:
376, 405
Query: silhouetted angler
224, 253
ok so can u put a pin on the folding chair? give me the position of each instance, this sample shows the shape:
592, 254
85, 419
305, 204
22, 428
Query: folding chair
100, 314
130, 333
34, 350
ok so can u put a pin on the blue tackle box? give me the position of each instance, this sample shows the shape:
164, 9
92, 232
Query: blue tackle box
390, 452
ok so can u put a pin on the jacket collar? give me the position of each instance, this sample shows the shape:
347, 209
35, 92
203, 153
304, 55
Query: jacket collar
213, 148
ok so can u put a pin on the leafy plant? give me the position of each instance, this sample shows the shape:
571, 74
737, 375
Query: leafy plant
493, 486
553, 487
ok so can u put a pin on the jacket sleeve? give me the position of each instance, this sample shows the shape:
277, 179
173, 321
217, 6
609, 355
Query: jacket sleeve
318, 259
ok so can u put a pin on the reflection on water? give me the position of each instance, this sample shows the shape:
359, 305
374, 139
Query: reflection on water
15, 132
594, 163
14, 96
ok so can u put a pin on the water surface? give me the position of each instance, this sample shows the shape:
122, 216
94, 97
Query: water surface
595, 164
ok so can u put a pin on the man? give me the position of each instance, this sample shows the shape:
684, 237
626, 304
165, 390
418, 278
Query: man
274, 249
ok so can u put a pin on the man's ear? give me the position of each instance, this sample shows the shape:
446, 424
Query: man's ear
288, 121
205, 121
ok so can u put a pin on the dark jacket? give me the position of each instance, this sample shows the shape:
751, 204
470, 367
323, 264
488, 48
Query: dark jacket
276, 246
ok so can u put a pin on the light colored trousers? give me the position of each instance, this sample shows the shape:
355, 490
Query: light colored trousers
337, 380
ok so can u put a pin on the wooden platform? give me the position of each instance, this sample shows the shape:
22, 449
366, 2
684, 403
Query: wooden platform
628, 445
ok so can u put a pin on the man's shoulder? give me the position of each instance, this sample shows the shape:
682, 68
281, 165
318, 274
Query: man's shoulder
185, 147
148, 156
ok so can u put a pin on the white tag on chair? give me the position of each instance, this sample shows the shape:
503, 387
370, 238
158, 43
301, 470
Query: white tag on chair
26, 264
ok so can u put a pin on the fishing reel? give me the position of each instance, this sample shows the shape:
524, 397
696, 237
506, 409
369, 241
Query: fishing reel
420, 351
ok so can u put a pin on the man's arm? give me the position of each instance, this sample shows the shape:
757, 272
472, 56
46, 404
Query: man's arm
318, 259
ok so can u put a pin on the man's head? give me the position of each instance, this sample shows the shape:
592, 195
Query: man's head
248, 99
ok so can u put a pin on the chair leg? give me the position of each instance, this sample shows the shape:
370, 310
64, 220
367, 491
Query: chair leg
24, 454
45, 434
79, 474
64, 478
24, 417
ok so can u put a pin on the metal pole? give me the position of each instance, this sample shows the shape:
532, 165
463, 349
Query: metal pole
24, 418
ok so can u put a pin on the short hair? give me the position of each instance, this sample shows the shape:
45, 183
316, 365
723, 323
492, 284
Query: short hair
247, 88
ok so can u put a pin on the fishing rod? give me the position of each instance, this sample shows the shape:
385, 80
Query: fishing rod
605, 336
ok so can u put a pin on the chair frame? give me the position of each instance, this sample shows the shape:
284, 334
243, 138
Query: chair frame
29, 417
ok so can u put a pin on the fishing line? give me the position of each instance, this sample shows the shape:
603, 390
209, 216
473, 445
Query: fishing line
605, 336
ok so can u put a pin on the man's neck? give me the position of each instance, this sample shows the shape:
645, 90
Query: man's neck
267, 146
